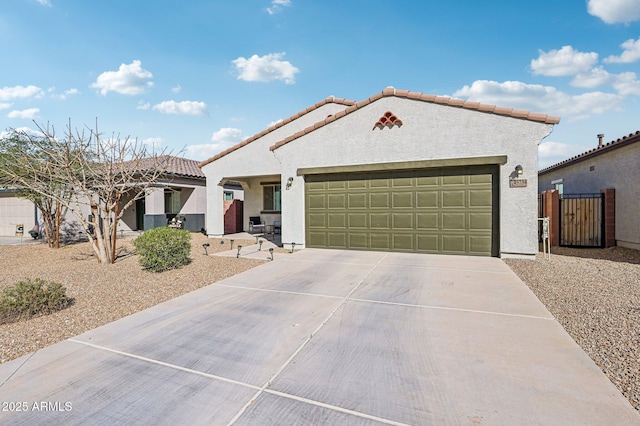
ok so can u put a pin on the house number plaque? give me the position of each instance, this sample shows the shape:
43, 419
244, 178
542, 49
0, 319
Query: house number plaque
518, 183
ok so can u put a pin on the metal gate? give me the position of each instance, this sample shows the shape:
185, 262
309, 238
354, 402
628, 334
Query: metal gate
581, 220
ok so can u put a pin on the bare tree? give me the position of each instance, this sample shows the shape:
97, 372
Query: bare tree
102, 176
18, 159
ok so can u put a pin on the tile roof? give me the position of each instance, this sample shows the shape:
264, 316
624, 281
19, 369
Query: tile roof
442, 100
618, 143
171, 165
330, 99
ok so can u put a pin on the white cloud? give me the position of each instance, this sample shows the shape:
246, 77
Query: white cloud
227, 135
8, 93
23, 130
130, 79
176, 89
631, 53
615, 11
550, 152
627, 84
565, 61
265, 68
44, 2
65, 94
222, 139
593, 78
5, 105
153, 142
142, 105
29, 113
182, 108
277, 5
538, 98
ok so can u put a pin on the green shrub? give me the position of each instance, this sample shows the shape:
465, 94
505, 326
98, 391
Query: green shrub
161, 249
32, 297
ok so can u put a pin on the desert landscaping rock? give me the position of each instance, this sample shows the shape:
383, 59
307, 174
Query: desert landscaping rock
102, 293
595, 295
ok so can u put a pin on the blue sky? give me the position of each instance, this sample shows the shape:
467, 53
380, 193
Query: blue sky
197, 76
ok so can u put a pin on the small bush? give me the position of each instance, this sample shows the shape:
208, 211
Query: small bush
32, 297
161, 249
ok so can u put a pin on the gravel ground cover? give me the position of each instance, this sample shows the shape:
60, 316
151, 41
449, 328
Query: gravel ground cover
595, 295
102, 293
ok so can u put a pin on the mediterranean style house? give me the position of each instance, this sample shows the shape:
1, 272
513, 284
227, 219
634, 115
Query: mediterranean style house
398, 171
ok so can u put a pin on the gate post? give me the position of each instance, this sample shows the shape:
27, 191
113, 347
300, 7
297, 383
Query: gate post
609, 209
552, 210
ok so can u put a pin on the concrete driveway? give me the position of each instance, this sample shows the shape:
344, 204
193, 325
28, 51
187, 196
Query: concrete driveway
325, 337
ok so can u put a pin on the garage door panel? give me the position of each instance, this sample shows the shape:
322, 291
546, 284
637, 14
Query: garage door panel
316, 202
403, 221
480, 221
380, 221
336, 185
317, 239
379, 200
337, 201
454, 244
402, 200
427, 199
317, 220
453, 199
480, 198
337, 240
357, 201
358, 240
337, 220
454, 221
357, 220
380, 241
447, 210
428, 221
479, 244
404, 242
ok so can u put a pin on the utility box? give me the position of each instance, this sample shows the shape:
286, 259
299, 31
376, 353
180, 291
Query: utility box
19, 229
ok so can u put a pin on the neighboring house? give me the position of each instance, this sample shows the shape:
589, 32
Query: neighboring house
608, 166
180, 191
399, 171
15, 214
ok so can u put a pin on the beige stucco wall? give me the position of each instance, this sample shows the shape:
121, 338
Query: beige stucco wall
252, 161
429, 132
614, 169
14, 211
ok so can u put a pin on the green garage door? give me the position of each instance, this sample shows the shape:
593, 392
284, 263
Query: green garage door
444, 210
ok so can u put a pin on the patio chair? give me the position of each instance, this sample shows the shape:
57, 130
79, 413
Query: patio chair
255, 224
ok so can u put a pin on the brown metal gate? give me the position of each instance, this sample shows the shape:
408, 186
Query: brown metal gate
581, 220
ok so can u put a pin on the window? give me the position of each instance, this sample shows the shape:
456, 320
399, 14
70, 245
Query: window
171, 201
228, 195
271, 196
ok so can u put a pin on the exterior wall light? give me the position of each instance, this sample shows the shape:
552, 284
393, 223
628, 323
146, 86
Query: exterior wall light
519, 170
289, 182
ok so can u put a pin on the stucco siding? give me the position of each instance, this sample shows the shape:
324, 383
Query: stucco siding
15, 211
614, 169
253, 159
429, 132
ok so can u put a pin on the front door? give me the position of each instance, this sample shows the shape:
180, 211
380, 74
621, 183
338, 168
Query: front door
140, 209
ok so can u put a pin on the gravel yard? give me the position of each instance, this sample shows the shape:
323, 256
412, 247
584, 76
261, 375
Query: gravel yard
102, 293
595, 295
